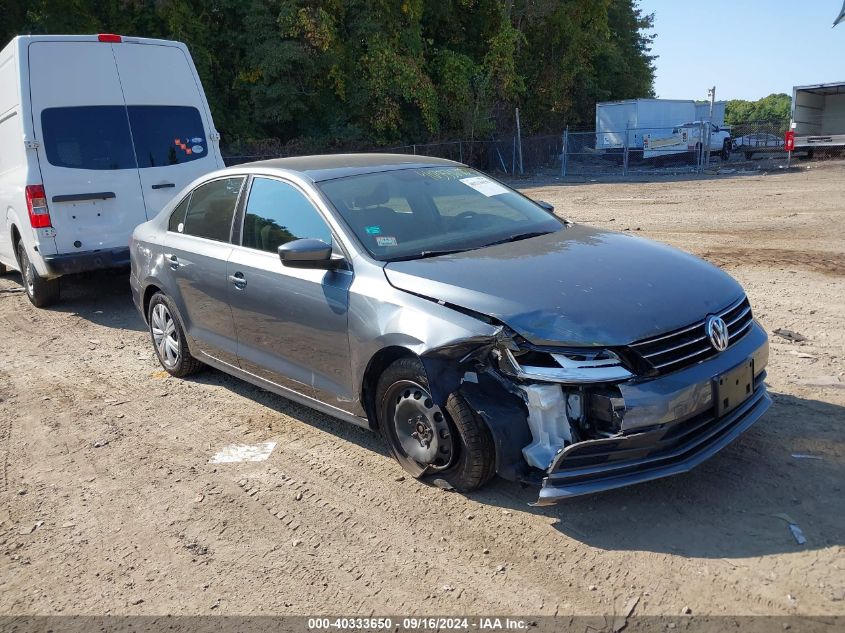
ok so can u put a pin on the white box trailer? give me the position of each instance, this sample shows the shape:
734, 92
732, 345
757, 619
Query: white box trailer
702, 112
641, 117
818, 116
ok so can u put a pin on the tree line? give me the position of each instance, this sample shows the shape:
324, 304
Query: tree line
775, 107
340, 73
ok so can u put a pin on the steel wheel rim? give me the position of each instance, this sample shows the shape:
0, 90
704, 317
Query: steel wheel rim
421, 430
165, 337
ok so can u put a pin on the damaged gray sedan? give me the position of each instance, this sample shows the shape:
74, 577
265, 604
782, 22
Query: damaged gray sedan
475, 330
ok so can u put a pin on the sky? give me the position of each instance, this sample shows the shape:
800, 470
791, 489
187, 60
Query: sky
752, 48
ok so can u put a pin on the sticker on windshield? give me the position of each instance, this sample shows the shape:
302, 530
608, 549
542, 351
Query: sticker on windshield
484, 186
386, 241
196, 139
373, 230
197, 149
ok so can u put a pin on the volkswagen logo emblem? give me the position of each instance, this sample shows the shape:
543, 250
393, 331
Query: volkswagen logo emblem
717, 330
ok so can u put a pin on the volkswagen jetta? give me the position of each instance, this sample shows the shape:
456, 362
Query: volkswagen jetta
478, 332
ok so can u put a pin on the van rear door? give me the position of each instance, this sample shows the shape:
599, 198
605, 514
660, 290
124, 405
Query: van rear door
169, 118
85, 154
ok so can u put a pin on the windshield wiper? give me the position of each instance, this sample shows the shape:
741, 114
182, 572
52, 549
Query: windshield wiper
434, 253
518, 236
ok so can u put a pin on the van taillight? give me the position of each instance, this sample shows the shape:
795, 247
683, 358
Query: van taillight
109, 37
36, 203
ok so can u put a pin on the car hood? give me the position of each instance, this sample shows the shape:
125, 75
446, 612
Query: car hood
577, 286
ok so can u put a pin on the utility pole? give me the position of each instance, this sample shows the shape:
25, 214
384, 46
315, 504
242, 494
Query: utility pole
712, 94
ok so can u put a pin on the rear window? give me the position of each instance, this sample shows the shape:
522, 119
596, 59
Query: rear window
167, 135
98, 137
88, 137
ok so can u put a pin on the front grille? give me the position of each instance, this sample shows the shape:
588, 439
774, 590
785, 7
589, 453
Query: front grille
689, 345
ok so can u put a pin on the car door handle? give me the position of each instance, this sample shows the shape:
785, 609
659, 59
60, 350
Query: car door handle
164, 185
173, 261
238, 280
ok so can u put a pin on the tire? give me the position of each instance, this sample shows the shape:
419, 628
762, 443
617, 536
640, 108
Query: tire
3, 270
41, 292
748, 155
469, 462
726, 151
168, 337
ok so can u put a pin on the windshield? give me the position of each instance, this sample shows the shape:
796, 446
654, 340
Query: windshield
413, 213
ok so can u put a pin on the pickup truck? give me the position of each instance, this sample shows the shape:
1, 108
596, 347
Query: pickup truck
687, 138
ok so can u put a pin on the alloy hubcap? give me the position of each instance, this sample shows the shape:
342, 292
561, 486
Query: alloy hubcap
421, 427
165, 337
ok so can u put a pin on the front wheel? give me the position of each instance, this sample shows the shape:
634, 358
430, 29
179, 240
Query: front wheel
40, 291
169, 339
450, 443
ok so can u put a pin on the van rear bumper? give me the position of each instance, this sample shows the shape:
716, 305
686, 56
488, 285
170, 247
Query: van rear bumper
87, 260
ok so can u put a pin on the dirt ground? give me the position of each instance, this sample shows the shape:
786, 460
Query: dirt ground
109, 503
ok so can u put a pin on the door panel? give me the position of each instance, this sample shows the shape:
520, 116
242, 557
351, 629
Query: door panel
168, 117
197, 249
199, 270
292, 324
86, 148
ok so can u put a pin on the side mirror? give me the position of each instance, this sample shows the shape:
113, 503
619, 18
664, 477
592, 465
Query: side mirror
308, 253
547, 206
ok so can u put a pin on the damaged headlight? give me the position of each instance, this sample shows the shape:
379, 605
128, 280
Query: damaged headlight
562, 365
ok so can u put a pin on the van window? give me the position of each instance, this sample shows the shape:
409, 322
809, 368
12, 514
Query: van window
177, 218
167, 135
211, 209
88, 137
278, 213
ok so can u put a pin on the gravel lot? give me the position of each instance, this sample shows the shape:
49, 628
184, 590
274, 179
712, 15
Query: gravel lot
109, 503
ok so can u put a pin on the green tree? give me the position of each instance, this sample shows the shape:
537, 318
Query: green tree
345, 73
775, 107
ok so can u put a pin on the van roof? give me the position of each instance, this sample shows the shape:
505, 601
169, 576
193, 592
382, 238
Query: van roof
329, 166
126, 39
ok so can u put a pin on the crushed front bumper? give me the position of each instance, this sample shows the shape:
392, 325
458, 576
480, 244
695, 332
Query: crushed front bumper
598, 465
671, 425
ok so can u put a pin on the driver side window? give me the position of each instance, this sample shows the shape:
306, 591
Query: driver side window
278, 213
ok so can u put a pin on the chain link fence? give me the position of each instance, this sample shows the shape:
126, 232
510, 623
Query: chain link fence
505, 155
683, 149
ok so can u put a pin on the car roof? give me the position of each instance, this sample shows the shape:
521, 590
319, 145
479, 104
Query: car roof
329, 166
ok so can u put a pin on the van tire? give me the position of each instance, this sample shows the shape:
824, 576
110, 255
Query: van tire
41, 292
3, 270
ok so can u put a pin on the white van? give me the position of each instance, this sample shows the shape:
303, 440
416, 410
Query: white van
97, 133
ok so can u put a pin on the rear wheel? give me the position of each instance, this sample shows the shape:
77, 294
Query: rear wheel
41, 292
726, 150
451, 443
169, 338
3, 270
748, 155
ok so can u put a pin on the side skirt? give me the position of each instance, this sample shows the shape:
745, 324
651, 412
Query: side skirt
268, 385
